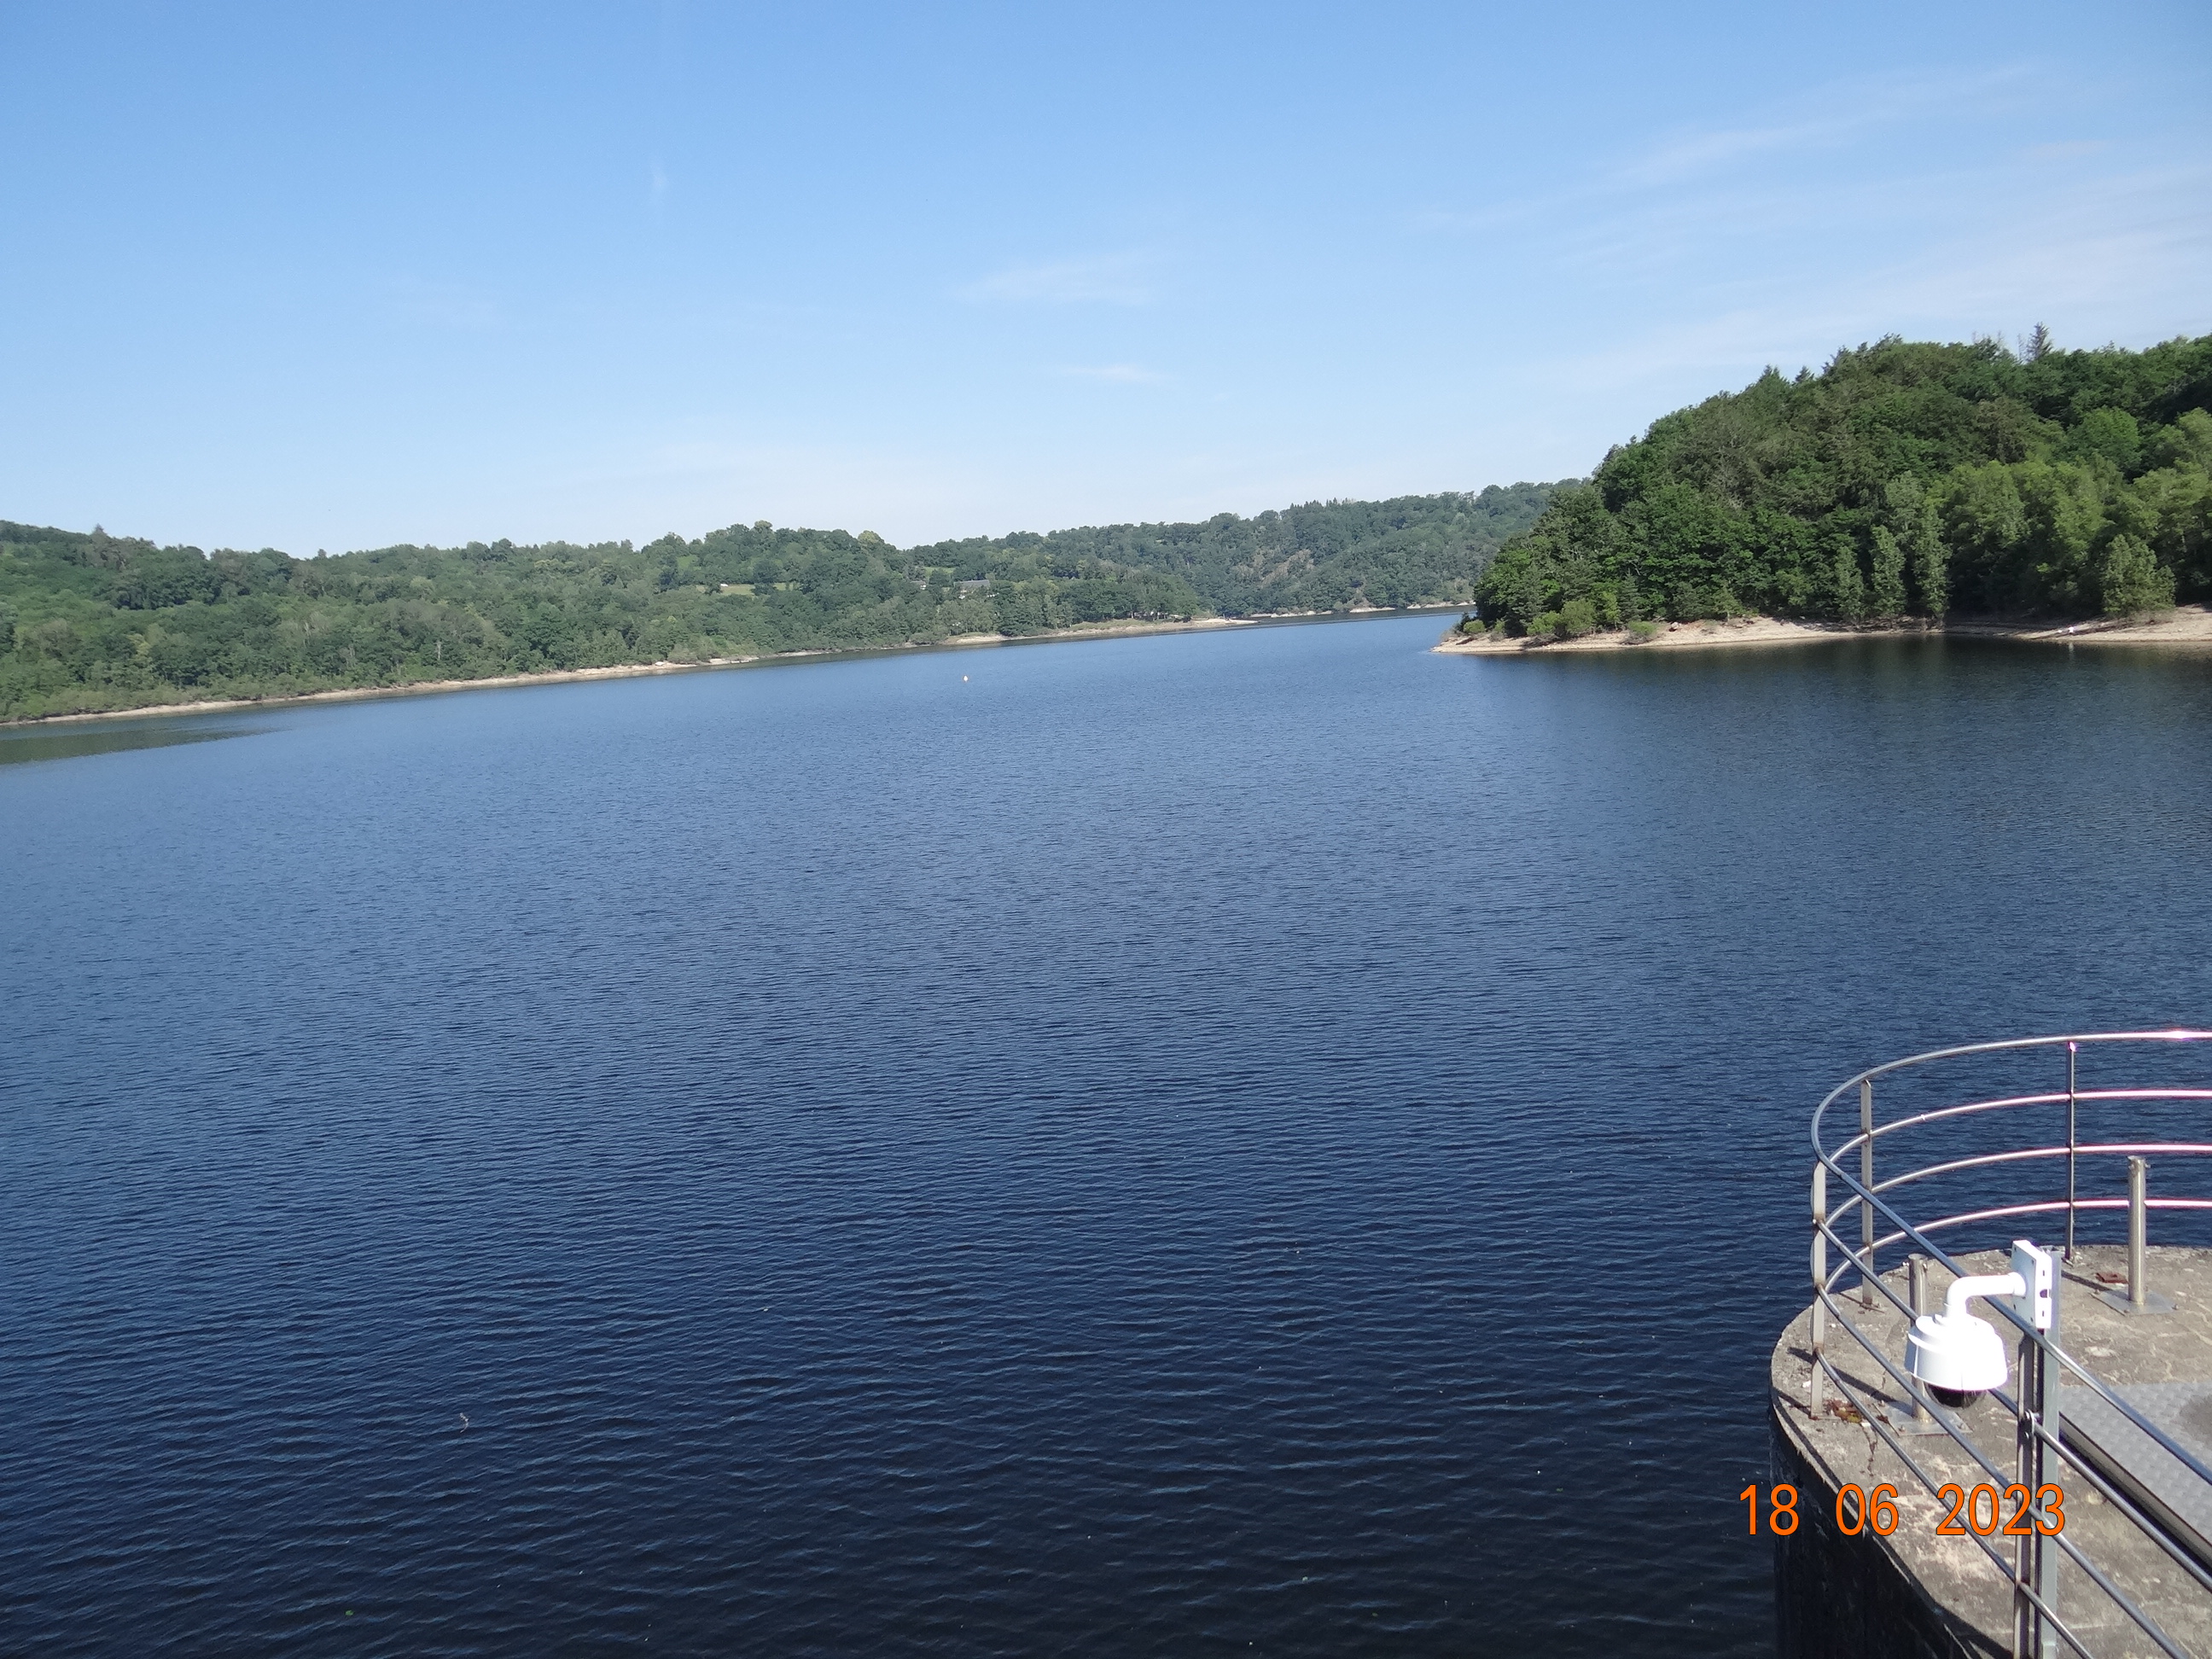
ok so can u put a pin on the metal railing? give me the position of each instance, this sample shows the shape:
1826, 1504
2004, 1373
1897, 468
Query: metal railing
1875, 1193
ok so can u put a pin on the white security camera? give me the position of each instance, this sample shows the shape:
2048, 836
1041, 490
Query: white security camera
1960, 1357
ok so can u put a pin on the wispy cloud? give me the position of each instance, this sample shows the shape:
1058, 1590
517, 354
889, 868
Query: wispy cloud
1677, 174
2109, 258
2068, 151
1684, 154
1842, 111
1117, 279
1120, 374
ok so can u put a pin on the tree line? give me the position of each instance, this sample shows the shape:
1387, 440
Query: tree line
91, 621
1904, 480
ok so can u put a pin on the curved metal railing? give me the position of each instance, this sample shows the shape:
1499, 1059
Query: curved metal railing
1872, 1196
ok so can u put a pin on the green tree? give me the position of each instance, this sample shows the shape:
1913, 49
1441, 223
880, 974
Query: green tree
2110, 435
1886, 584
2171, 510
1577, 618
1846, 586
2187, 442
1998, 476
2131, 580
1911, 517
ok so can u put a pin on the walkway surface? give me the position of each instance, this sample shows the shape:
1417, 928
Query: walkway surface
2168, 1358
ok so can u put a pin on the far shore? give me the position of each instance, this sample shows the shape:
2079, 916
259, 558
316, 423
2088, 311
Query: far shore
628, 671
2190, 625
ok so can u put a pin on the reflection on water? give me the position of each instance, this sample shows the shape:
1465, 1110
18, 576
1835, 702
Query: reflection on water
66, 743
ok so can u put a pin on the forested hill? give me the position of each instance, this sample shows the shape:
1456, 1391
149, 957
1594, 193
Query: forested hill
96, 622
1337, 556
1903, 480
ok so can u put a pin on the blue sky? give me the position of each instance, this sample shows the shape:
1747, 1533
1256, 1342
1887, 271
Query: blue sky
333, 277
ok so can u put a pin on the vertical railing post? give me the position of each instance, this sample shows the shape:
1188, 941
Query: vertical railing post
1866, 1179
2138, 1231
1916, 1278
2053, 1425
2072, 1142
2034, 1637
2024, 1621
1819, 1279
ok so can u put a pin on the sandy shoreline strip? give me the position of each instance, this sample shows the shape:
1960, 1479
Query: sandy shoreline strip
2191, 625
620, 672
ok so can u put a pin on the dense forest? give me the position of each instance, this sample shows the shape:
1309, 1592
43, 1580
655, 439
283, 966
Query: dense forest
1903, 480
1338, 555
97, 622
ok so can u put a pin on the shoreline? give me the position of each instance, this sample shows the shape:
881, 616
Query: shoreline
2189, 625
634, 671
2186, 625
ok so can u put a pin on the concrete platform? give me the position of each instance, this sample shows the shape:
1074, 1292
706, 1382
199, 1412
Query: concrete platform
1918, 1593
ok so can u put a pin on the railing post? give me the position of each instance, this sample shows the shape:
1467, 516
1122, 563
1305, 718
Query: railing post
1819, 1278
2034, 1637
2024, 1621
2138, 1231
2073, 1141
1866, 1179
1915, 1275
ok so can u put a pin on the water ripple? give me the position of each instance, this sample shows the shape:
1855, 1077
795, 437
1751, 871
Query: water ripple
1272, 1141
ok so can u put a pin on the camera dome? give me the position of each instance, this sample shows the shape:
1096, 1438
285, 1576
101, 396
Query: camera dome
1956, 1355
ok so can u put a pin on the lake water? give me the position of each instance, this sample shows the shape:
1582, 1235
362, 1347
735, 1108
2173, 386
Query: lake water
1262, 1141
